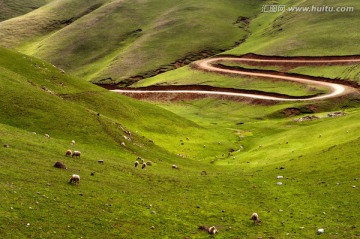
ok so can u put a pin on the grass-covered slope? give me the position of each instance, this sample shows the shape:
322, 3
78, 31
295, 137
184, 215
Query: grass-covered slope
318, 160
14, 8
121, 39
35, 93
286, 33
305, 33
37, 97
231, 154
224, 178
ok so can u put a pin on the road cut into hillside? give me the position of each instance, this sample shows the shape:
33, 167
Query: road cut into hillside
336, 88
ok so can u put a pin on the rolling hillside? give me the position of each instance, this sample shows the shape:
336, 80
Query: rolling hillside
286, 34
315, 33
122, 39
34, 91
229, 170
11, 9
295, 163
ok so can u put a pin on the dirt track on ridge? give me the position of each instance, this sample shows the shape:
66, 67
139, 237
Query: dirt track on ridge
337, 87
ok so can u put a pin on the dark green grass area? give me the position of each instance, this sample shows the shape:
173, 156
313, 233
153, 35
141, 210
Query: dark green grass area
14, 8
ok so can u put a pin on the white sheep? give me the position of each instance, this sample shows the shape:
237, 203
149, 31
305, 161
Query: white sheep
143, 166
76, 154
68, 153
255, 218
75, 179
72, 142
149, 163
47, 136
212, 230
136, 164
175, 166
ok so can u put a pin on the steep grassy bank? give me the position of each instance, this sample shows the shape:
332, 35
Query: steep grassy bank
309, 33
122, 39
290, 34
14, 8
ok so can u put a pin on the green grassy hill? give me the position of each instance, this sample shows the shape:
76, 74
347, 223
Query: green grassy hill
229, 171
122, 39
305, 33
229, 154
287, 34
14, 8
36, 97
35, 93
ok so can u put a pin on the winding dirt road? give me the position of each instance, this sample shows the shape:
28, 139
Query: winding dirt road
336, 89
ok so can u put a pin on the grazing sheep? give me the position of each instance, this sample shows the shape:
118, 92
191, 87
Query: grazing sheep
47, 136
75, 179
68, 153
76, 154
175, 166
136, 164
255, 218
149, 163
73, 142
60, 165
101, 161
143, 166
212, 230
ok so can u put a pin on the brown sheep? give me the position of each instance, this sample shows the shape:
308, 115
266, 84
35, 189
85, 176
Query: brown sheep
255, 218
212, 230
68, 153
60, 165
76, 154
75, 179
